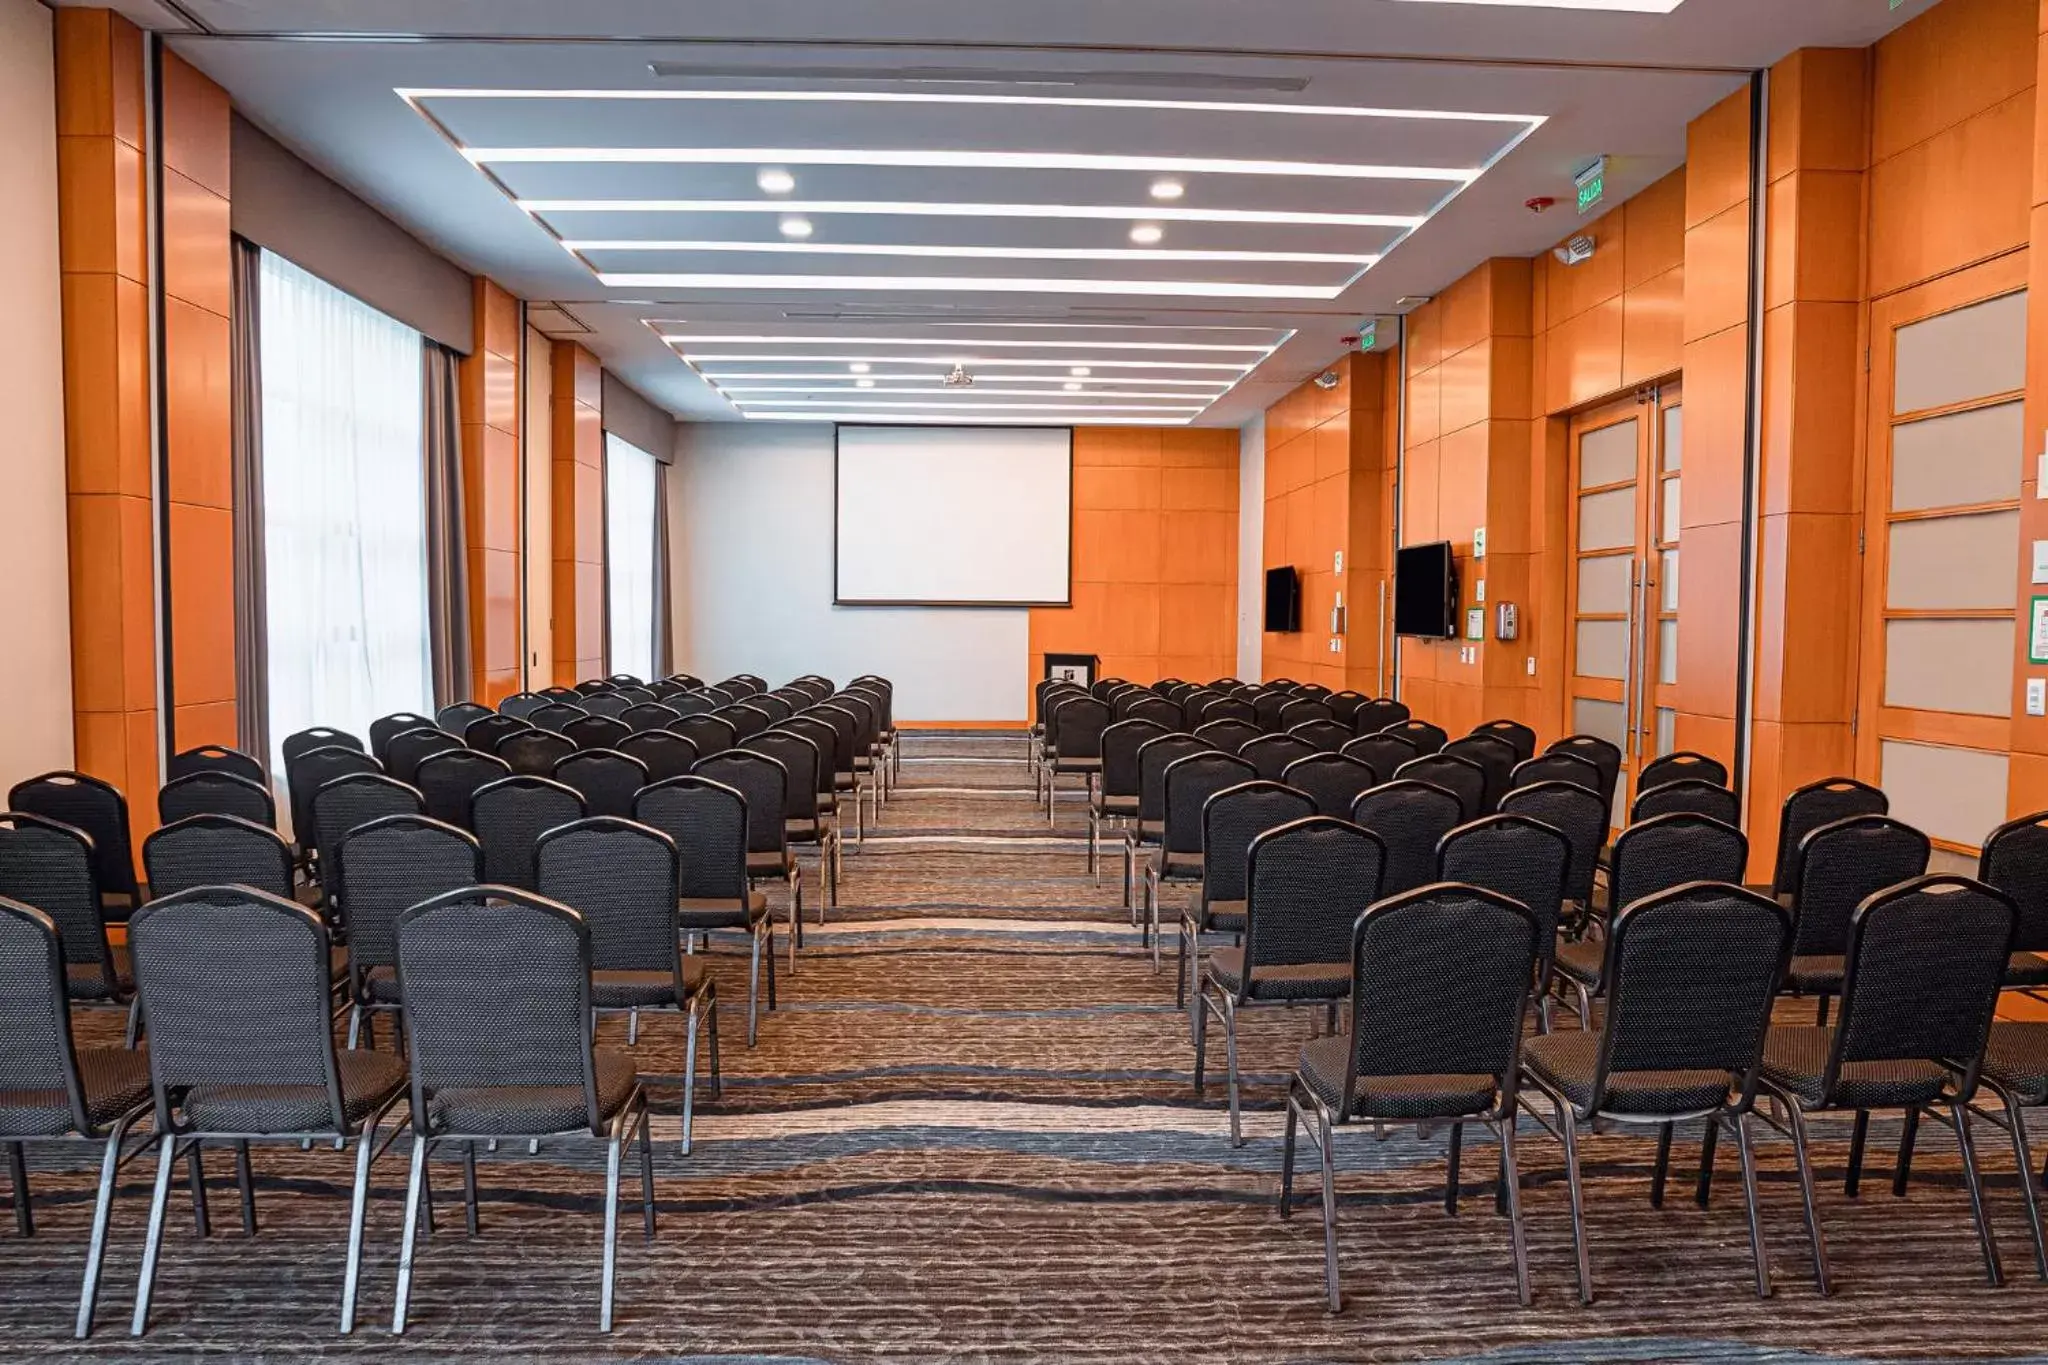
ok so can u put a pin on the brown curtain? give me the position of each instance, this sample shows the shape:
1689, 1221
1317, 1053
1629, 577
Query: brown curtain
664, 662
447, 565
252, 634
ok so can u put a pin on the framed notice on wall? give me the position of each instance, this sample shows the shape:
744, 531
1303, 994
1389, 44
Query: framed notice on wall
2037, 630
1078, 669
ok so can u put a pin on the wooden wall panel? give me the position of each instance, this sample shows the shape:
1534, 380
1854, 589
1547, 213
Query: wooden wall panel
577, 456
2027, 786
491, 409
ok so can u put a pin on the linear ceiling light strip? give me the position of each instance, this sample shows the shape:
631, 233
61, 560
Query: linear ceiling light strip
930, 159
905, 208
1024, 253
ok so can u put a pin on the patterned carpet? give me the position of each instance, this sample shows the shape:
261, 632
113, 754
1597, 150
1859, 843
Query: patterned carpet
969, 1135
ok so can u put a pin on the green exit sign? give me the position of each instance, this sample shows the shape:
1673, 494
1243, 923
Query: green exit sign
1592, 184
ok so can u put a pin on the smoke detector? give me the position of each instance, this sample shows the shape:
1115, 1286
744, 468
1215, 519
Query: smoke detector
958, 378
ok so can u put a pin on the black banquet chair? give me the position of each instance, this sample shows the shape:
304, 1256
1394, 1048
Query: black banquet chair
215, 792
387, 728
484, 733
1520, 739
1410, 819
1840, 865
607, 779
508, 818
383, 867
1231, 819
1686, 796
1384, 752
215, 758
1333, 781
1272, 755
1461, 777
312, 770
97, 810
216, 850
50, 865
534, 752
2015, 860
450, 780
1426, 738
664, 753
764, 782
1188, 784
1374, 716
347, 804
708, 822
1811, 806
317, 737
406, 751
1528, 862
457, 716
596, 732
1448, 969
491, 1064
236, 987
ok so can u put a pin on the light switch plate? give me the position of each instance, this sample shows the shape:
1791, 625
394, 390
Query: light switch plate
2037, 696
1479, 590
1532, 666
1479, 542
2041, 561
2041, 475
1340, 562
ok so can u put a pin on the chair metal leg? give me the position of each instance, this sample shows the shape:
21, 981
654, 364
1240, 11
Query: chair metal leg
358, 1207
1903, 1173
17, 1175
1569, 1126
415, 1182
1230, 1057
754, 991
1287, 1154
1329, 1211
689, 1071
1511, 1183
245, 1184
1663, 1165
647, 1171
1796, 1120
1201, 1038
152, 1245
711, 1020
102, 1214
1853, 1181
612, 1158
355, 1025
195, 1172
1756, 1227
133, 1032
632, 1027
1994, 1271
2023, 1160
1451, 1168
472, 1215
796, 913
1094, 838
1703, 1193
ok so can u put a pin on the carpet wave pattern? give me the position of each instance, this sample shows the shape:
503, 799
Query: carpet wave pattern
969, 1133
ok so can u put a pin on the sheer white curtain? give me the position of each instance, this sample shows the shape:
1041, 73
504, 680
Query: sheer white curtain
629, 555
344, 509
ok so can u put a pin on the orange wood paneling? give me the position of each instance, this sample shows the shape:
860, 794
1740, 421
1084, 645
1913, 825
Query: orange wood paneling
1955, 199
577, 453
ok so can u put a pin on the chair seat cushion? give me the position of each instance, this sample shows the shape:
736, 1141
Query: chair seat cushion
1224, 917
1795, 1058
1078, 765
368, 1080
1117, 805
722, 914
2027, 969
114, 1080
535, 1110
1581, 961
2017, 1058
1324, 1061
1566, 1059
615, 990
1177, 866
1302, 981
88, 980
774, 863
380, 984
1815, 975
1150, 830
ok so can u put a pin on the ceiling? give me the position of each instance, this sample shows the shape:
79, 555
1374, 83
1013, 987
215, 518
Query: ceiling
963, 180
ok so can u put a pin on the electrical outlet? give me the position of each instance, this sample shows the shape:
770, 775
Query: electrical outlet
1479, 590
1532, 665
2037, 696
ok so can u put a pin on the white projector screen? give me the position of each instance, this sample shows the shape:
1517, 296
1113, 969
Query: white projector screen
954, 516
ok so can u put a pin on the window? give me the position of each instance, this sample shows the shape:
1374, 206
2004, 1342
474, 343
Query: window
629, 555
344, 509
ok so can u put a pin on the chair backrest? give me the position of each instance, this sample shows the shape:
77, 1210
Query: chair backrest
2015, 860
1266, 709
1079, 722
1051, 692
1383, 753
1410, 819
217, 850
1344, 706
561, 694
555, 715
216, 758
35, 1014
215, 792
1120, 745
1604, 755
349, 802
1925, 963
1556, 767
595, 732
49, 865
1690, 975
94, 807
535, 752
1221, 708
1426, 738
747, 719
607, 779
1105, 688
405, 751
1189, 783
235, 985
1154, 756
1459, 776
1496, 760
718, 696
312, 770
765, 785
1374, 716
1671, 850
1682, 766
1313, 690
801, 761
825, 738
387, 728
1332, 781
1576, 811
691, 704
593, 687
1520, 739
1273, 754
1145, 706
451, 779
609, 705
1810, 807
1840, 865
1511, 855
1230, 736
708, 821
649, 716
868, 728
497, 995
1687, 796
1306, 884
635, 694
1448, 969
1231, 819
711, 734
1302, 710
621, 876
520, 705
486, 732
457, 716
1326, 735
510, 815
317, 737
664, 753
392, 863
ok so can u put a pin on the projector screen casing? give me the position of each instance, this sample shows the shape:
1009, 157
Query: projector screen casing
1054, 588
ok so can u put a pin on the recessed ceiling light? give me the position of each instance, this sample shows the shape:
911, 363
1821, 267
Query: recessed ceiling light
1071, 386
863, 383
859, 367
919, 209
1023, 253
775, 180
1168, 189
793, 227
1079, 371
945, 159
1147, 234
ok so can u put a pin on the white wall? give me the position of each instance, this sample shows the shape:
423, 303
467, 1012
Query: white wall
750, 545
35, 611
1251, 547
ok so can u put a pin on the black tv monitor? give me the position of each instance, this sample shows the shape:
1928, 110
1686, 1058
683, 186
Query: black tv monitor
1426, 591
1283, 599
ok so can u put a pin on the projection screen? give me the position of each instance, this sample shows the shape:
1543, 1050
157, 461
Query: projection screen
953, 516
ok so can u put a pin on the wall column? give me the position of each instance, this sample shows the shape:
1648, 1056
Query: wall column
2027, 789
577, 458
490, 403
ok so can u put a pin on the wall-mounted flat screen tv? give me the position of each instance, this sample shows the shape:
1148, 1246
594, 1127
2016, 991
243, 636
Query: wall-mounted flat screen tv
1426, 591
1283, 599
